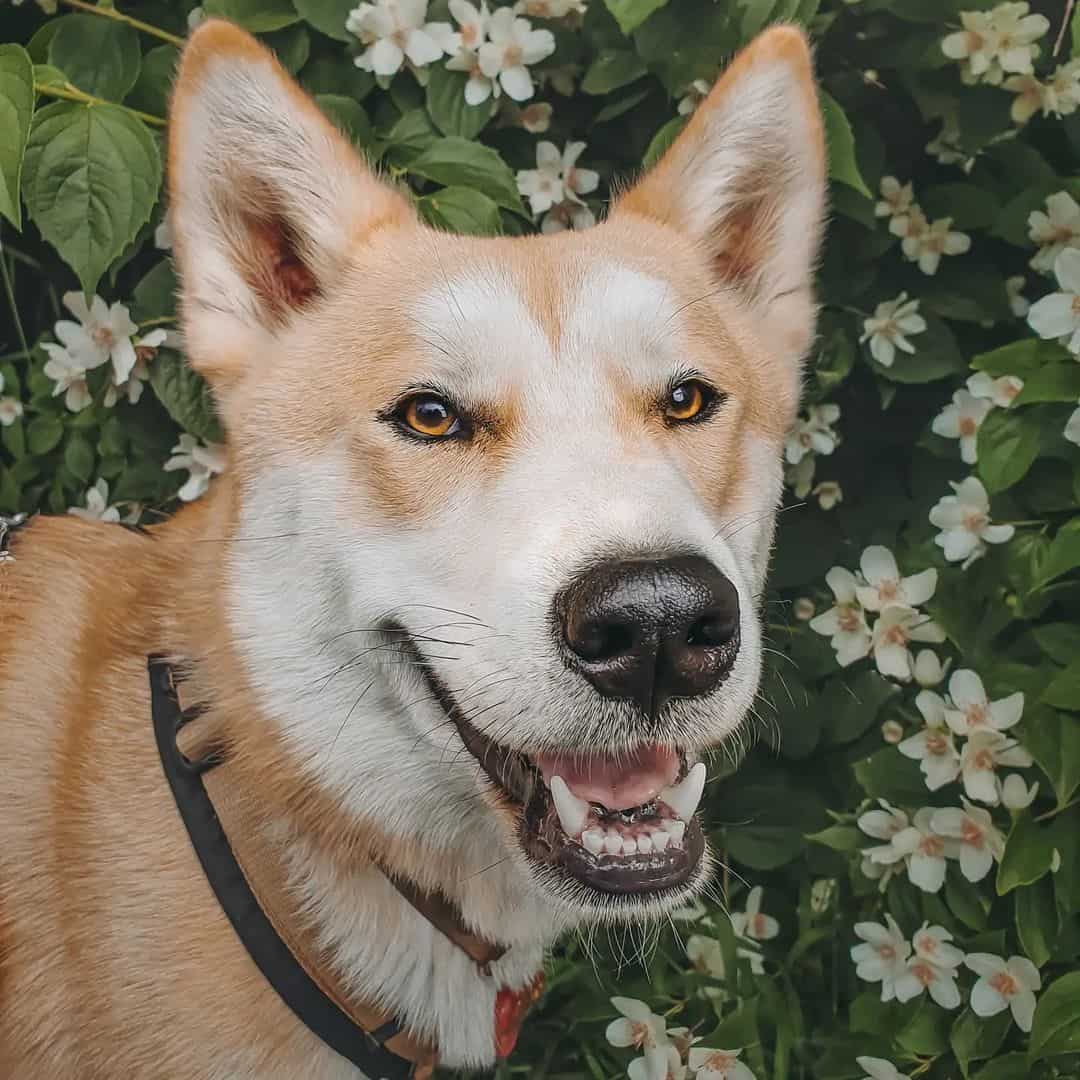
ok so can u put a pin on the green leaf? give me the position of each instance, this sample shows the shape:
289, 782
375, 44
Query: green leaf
16, 108
151, 91
44, 433
91, 179
1056, 1028
773, 826
630, 14
1060, 641
455, 161
838, 837
327, 16
155, 295
1037, 921
974, 1038
187, 397
348, 116
1063, 554
966, 901
969, 206
411, 136
841, 144
615, 109
100, 56
1054, 740
1006, 1067
79, 457
291, 45
258, 16
611, 69
447, 106
1064, 691
1008, 443
889, 775
1054, 382
662, 140
461, 210
1029, 851
850, 704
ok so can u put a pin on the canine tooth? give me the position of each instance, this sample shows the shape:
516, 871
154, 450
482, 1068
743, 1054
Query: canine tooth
684, 796
593, 840
613, 843
644, 845
676, 829
660, 840
573, 812
629, 846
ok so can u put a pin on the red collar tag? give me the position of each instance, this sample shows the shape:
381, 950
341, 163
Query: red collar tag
510, 1009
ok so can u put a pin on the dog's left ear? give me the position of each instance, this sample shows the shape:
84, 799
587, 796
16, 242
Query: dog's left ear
266, 199
746, 181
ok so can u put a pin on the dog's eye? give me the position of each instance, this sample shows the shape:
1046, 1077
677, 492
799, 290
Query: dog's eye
689, 400
429, 415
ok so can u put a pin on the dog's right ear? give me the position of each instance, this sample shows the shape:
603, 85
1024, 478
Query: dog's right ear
266, 198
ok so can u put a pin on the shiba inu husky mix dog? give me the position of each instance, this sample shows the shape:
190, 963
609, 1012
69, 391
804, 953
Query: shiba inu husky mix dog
459, 623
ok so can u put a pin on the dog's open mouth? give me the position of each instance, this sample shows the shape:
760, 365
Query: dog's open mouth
619, 823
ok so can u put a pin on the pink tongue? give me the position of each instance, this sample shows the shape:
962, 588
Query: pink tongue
617, 782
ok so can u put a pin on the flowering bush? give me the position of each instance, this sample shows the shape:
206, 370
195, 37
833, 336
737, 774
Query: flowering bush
900, 888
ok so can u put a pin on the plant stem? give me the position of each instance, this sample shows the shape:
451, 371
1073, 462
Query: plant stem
71, 93
159, 321
112, 13
1059, 810
6, 274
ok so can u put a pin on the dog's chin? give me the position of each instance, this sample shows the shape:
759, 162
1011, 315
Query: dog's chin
594, 860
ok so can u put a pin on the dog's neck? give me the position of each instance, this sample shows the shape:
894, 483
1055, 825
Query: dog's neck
380, 947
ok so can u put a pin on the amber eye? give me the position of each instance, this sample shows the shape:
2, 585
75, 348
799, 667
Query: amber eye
429, 415
687, 401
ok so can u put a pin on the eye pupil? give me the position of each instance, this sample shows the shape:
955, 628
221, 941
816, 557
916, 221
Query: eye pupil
687, 400
427, 414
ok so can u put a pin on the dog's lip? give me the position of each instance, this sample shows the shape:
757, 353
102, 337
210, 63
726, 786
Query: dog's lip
519, 779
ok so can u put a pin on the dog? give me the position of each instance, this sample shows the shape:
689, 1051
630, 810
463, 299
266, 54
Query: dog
446, 646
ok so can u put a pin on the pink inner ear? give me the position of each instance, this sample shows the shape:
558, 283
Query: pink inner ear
274, 269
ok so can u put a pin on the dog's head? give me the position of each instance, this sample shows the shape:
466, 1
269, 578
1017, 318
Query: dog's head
506, 504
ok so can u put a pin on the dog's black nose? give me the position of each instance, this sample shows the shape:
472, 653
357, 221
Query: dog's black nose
651, 629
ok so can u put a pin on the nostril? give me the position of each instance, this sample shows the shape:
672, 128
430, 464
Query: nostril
712, 630
598, 641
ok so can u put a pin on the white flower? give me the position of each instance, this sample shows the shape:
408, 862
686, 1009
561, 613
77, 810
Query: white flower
829, 494
961, 420
1001, 392
1059, 96
933, 746
472, 32
1018, 303
882, 956
718, 1064
822, 895
927, 245
132, 387
705, 954
535, 118
163, 235
1072, 427
886, 330
946, 149
896, 198
196, 16
803, 609
996, 42
752, 923
885, 586
395, 31
1055, 230
800, 477
814, 435
922, 851
200, 460
511, 47
929, 671
892, 731
11, 408
642, 1029
932, 968
982, 754
695, 93
879, 1069
880, 862
1004, 985
97, 505
1058, 315
567, 215
556, 177
981, 844
844, 623
102, 333
643, 1068
1015, 794
69, 376
896, 627
964, 521
973, 711
550, 9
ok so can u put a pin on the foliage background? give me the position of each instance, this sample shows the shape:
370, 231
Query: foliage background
87, 217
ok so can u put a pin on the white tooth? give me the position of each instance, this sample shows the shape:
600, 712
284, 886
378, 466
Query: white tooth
676, 829
613, 843
573, 812
660, 840
629, 846
684, 796
644, 845
593, 840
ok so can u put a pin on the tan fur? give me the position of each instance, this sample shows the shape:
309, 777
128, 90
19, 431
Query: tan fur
115, 959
